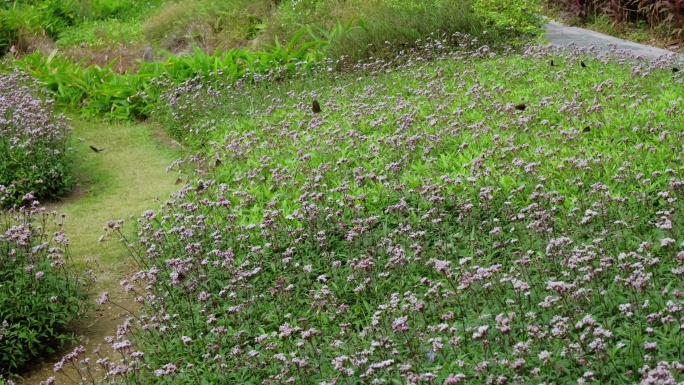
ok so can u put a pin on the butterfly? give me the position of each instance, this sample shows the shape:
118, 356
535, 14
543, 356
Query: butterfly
316, 107
520, 107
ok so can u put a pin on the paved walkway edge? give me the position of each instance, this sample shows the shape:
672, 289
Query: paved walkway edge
561, 35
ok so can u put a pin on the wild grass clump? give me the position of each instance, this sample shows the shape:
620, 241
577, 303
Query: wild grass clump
384, 28
403, 24
35, 157
225, 24
482, 218
41, 294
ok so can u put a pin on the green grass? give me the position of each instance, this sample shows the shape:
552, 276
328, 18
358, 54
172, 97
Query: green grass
124, 180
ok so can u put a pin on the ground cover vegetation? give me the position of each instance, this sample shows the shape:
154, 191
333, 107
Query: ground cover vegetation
464, 216
41, 137
41, 292
28, 24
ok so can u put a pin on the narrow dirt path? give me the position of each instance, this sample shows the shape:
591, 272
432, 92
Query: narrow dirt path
121, 182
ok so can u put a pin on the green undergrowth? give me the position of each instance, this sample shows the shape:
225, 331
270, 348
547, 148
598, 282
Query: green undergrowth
69, 21
102, 92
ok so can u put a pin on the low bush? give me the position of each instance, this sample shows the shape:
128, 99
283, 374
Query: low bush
40, 294
225, 24
15, 23
35, 158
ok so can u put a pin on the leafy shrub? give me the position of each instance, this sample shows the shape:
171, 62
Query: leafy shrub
15, 23
166, 19
521, 16
117, 9
210, 23
57, 15
35, 158
382, 28
40, 292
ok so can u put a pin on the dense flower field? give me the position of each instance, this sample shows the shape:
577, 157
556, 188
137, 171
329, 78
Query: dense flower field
472, 218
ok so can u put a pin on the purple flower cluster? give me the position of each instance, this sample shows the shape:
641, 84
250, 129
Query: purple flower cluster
34, 149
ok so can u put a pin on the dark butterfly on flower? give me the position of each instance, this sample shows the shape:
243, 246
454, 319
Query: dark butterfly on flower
200, 186
520, 107
675, 70
582, 64
552, 63
586, 129
316, 107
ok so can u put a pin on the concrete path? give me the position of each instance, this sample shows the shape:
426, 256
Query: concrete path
561, 35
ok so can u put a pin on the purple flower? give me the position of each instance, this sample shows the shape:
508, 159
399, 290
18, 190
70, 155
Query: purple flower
400, 324
104, 298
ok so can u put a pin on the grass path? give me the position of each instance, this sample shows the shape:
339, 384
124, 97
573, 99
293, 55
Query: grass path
124, 180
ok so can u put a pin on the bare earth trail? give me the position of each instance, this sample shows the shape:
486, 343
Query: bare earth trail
129, 177
124, 180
